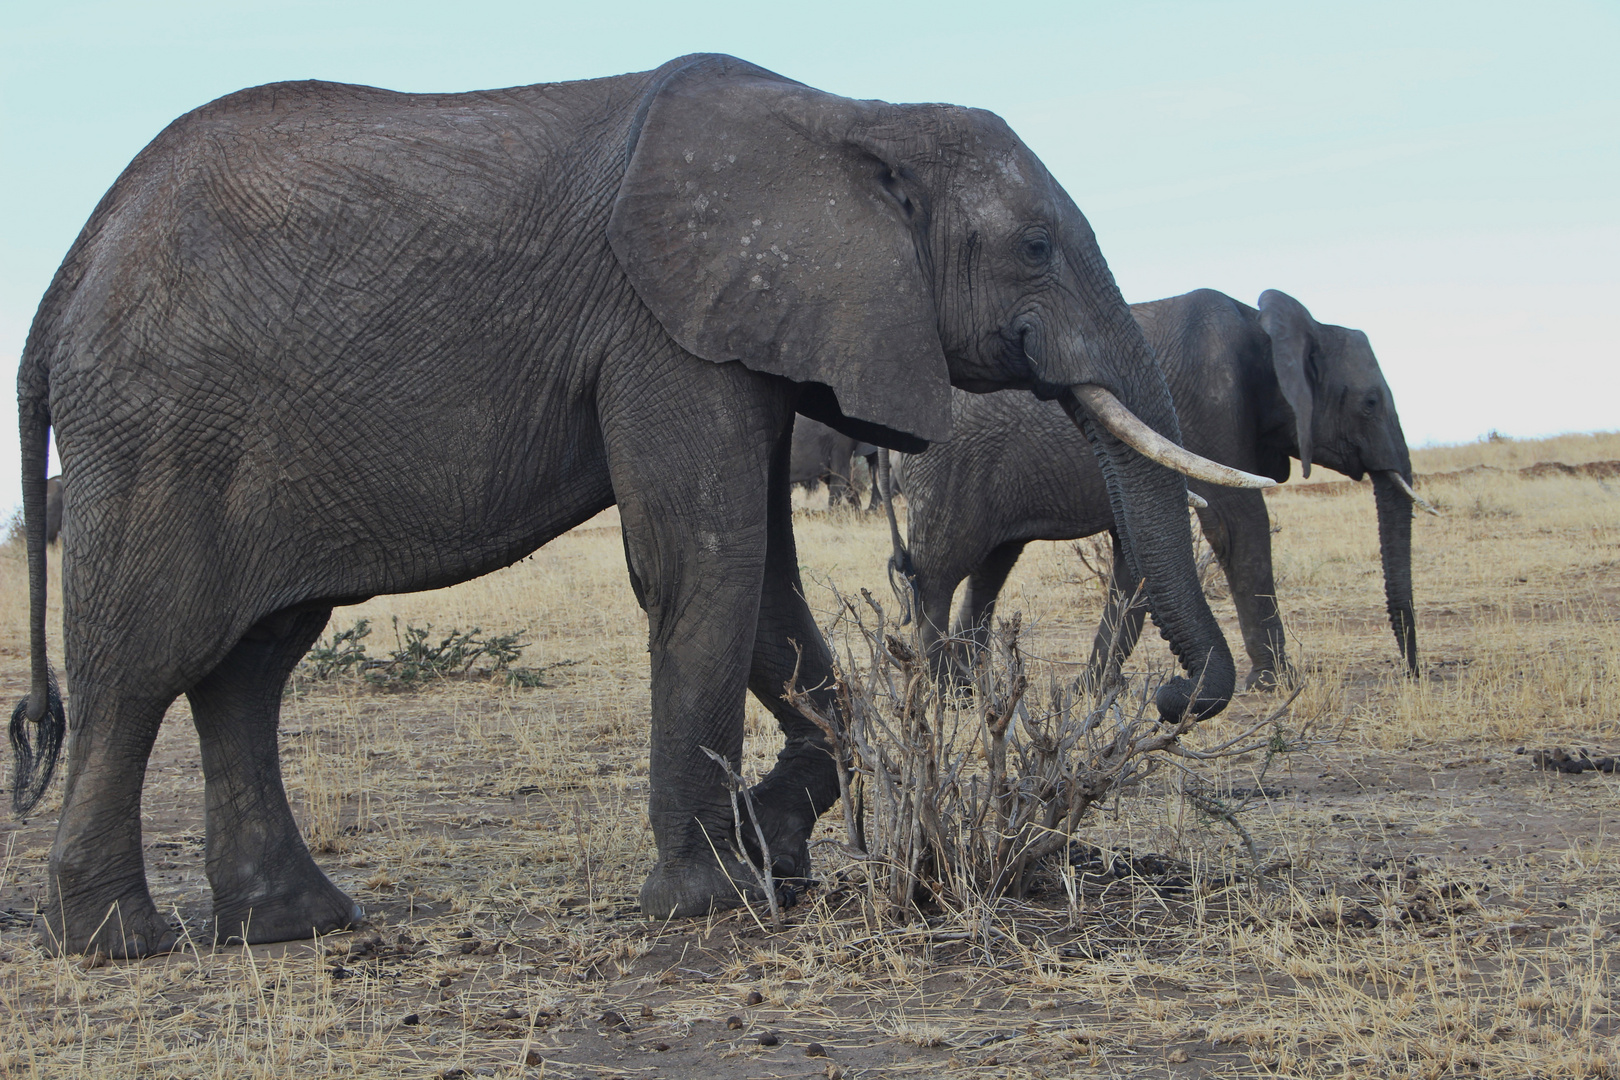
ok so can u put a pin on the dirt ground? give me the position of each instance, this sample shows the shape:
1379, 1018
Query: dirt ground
1433, 902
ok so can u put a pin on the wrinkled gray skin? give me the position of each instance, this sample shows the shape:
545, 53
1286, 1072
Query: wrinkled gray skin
53, 509
321, 342
1017, 471
823, 455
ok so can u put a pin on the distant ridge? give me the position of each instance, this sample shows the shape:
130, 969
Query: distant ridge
1593, 470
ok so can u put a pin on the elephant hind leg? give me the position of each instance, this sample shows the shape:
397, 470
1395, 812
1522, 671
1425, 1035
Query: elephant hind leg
98, 898
266, 886
804, 781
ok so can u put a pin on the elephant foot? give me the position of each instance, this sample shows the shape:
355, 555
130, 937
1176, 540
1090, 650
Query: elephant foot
128, 928
954, 665
314, 907
693, 888
958, 681
784, 804
787, 837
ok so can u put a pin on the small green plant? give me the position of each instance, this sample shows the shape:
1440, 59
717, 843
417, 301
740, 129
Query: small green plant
343, 654
417, 658
527, 678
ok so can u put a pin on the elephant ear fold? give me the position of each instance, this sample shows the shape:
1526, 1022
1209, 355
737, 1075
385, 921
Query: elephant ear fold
1293, 333
768, 223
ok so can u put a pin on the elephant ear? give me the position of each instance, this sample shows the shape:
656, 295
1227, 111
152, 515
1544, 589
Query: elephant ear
1292, 332
768, 223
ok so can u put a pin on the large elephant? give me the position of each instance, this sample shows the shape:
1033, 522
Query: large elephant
1253, 388
321, 342
824, 455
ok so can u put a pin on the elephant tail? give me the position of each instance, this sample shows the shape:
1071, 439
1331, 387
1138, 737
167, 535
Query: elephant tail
38, 724
900, 564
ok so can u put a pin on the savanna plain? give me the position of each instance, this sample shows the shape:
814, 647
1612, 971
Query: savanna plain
1405, 879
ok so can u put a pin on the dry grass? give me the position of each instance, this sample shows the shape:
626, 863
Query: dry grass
1504, 453
1445, 909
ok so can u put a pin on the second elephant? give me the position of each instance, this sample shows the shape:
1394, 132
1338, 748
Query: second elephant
1253, 388
53, 508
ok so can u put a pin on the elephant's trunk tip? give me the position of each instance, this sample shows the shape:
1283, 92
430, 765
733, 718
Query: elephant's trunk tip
1204, 696
1394, 504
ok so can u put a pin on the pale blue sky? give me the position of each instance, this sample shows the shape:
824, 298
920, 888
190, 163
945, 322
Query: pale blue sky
1445, 176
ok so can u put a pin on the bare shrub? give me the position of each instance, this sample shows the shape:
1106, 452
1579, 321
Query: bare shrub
952, 801
1096, 555
13, 531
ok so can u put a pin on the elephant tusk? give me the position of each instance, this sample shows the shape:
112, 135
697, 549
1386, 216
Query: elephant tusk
1417, 500
1197, 501
1125, 426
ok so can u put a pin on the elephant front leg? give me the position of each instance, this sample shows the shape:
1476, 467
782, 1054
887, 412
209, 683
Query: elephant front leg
979, 600
1239, 530
266, 886
97, 897
702, 601
689, 459
1121, 622
934, 590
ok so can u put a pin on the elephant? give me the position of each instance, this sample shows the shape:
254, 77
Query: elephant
53, 508
321, 342
1252, 387
821, 455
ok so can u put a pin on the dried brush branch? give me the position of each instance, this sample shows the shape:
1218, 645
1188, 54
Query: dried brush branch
952, 801
1096, 554
735, 786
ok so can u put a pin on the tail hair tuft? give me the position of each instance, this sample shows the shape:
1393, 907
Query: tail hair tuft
35, 746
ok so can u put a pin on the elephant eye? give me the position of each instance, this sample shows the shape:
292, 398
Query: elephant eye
1035, 248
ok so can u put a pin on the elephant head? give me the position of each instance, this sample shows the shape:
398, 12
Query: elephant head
1343, 416
877, 254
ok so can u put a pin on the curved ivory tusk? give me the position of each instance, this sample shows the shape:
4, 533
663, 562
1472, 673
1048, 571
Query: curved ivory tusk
1197, 501
1417, 500
1125, 426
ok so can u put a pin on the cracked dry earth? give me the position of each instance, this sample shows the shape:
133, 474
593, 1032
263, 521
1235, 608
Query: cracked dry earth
1434, 904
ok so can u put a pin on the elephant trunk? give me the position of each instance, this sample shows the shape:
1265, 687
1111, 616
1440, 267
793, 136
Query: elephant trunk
1395, 549
1150, 511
